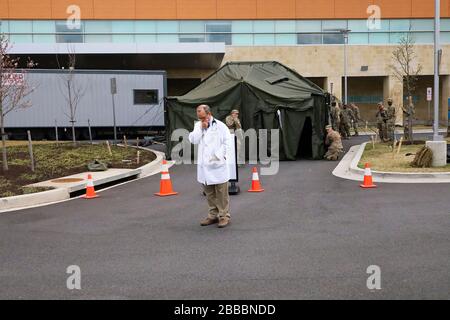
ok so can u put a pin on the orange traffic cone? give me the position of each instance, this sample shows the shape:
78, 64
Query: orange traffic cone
165, 184
368, 182
256, 185
90, 190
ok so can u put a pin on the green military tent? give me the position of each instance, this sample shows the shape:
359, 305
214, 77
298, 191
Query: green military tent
269, 95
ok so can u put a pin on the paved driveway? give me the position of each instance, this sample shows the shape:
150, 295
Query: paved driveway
310, 235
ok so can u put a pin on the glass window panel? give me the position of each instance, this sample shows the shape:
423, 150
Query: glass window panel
396, 37
242, 39
123, 31
334, 24
309, 38
145, 27
21, 27
98, 31
4, 26
192, 38
263, 26
378, 26
214, 28
167, 26
285, 26
192, 26
66, 35
399, 24
44, 31
219, 37
218, 26
422, 25
285, 39
358, 25
379, 38
264, 39
445, 37
358, 38
445, 25
242, 26
14, 38
309, 26
167, 38
423, 37
25, 27
334, 38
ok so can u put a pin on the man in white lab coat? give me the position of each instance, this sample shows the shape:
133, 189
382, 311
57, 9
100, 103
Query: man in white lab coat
213, 139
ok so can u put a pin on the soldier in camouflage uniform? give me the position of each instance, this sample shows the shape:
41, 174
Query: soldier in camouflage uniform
346, 116
356, 118
334, 143
335, 116
381, 122
390, 123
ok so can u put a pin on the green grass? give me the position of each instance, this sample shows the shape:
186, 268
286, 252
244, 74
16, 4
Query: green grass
382, 159
54, 161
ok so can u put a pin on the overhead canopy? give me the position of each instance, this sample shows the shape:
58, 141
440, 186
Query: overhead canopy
259, 90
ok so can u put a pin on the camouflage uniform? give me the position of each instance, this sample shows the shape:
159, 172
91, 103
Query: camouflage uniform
233, 123
335, 117
334, 143
356, 119
381, 124
390, 122
344, 128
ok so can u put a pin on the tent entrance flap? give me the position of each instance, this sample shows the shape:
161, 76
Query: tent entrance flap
304, 150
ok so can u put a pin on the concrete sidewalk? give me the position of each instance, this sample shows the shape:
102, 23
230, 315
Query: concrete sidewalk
348, 169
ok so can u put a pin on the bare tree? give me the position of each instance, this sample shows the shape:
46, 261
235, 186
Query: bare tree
407, 70
14, 89
73, 91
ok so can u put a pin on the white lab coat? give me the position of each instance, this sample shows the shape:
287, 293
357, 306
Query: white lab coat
213, 145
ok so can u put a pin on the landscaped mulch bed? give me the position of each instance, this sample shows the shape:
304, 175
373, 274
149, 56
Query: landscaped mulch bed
54, 161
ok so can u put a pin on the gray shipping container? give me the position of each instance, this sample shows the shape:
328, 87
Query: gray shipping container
139, 101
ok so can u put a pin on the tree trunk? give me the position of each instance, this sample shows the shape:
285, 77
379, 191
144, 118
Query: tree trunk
4, 151
74, 141
410, 118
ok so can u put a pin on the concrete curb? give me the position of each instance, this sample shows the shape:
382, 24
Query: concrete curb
348, 169
44, 198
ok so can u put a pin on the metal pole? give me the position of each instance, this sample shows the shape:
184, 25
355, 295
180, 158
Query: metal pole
345, 67
114, 119
437, 30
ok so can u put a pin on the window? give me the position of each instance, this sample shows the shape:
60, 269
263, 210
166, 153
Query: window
149, 96
358, 38
21, 31
309, 38
422, 25
144, 30
285, 32
123, 31
196, 27
400, 25
44, 32
378, 38
333, 38
167, 31
242, 33
214, 30
4, 26
358, 25
98, 31
306, 26
67, 35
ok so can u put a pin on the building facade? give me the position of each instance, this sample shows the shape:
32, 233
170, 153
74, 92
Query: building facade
192, 38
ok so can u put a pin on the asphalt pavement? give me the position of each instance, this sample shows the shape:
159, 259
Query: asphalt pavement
310, 235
